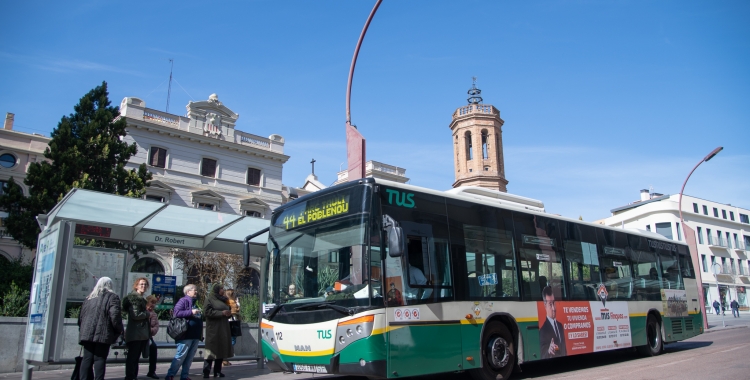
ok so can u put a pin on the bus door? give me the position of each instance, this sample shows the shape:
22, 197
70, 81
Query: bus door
422, 339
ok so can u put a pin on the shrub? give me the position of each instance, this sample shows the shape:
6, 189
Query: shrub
15, 302
249, 308
74, 312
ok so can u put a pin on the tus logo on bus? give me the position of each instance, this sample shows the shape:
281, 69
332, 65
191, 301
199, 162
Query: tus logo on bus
401, 199
324, 334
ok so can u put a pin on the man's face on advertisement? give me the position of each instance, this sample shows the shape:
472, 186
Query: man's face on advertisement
549, 306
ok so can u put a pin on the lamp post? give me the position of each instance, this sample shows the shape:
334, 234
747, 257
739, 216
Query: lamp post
690, 235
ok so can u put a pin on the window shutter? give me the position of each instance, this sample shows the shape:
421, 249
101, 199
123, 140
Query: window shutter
162, 158
158, 157
208, 168
253, 177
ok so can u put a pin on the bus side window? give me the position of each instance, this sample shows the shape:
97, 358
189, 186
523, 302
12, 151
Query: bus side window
582, 260
540, 255
615, 263
646, 277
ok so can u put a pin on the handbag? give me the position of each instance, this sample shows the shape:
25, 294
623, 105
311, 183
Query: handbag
235, 328
177, 328
77, 368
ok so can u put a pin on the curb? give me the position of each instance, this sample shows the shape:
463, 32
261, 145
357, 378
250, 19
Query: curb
715, 329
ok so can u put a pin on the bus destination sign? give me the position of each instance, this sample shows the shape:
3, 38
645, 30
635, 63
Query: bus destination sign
313, 211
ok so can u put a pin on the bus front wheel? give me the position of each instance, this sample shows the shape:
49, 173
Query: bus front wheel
498, 353
654, 345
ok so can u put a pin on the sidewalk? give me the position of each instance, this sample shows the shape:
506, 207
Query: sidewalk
238, 370
715, 321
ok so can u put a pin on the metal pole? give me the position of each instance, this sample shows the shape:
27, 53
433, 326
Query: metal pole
695, 258
723, 323
354, 62
27, 370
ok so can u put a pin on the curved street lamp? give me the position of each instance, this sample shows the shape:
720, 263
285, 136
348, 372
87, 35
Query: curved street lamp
690, 235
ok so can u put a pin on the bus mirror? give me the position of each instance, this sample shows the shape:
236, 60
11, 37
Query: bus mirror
395, 236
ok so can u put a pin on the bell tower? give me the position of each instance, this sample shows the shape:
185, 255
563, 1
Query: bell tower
478, 144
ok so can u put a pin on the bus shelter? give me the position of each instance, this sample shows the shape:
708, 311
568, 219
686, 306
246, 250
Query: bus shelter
91, 214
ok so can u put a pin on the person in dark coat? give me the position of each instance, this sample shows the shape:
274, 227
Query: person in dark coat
99, 323
735, 308
218, 334
716, 306
186, 308
137, 332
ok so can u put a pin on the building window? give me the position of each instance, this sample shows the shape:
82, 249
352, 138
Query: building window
158, 157
695, 208
7, 160
708, 237
705, 210
664, 229
148, 265
208, 167
731, 215
724, 214
155, 198
731, 264
716, 212
469, 150
648, 227
253, 177
679, 232
700, 235
485, 149
744, 219
206, 206
703, 261
729, 242
486, 168
254, 214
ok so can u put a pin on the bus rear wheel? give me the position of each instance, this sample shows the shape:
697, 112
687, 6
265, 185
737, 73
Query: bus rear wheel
654, 345
498, 353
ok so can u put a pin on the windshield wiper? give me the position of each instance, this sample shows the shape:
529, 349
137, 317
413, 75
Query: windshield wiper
273, 311
327, 304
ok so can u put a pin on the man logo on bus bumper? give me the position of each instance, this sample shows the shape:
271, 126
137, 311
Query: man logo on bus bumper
302, 347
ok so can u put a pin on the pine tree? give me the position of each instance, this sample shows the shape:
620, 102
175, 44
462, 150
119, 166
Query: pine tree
86, 151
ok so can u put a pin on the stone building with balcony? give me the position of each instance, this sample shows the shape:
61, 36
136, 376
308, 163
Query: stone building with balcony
377, 170
17, 151
201, 160
722, 233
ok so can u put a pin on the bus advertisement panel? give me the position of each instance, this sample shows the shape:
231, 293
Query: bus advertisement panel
580, 327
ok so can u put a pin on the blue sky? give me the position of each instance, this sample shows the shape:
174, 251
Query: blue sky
600, 98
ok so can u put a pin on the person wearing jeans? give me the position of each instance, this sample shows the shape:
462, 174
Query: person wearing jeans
186, 347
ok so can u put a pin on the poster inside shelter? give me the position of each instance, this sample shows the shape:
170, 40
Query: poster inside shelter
41, 300
579, 327
88, 265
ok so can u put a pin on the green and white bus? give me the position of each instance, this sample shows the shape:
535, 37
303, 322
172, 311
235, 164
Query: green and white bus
387, 280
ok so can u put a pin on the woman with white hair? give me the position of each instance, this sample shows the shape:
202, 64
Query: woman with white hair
186, 347
99, 324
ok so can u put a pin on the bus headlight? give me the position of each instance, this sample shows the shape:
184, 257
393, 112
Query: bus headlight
346, 330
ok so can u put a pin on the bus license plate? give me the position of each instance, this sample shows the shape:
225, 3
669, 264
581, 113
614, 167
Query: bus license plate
310, 368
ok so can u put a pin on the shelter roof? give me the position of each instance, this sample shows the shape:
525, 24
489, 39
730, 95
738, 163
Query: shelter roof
115, 217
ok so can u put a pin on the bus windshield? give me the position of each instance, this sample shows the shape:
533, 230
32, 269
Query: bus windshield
325, 260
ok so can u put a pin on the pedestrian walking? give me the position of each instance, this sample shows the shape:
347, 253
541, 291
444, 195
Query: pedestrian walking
153, 324
186, 347
716, 306
218, 334
99, 324
137, 331
723, 307
735, 308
